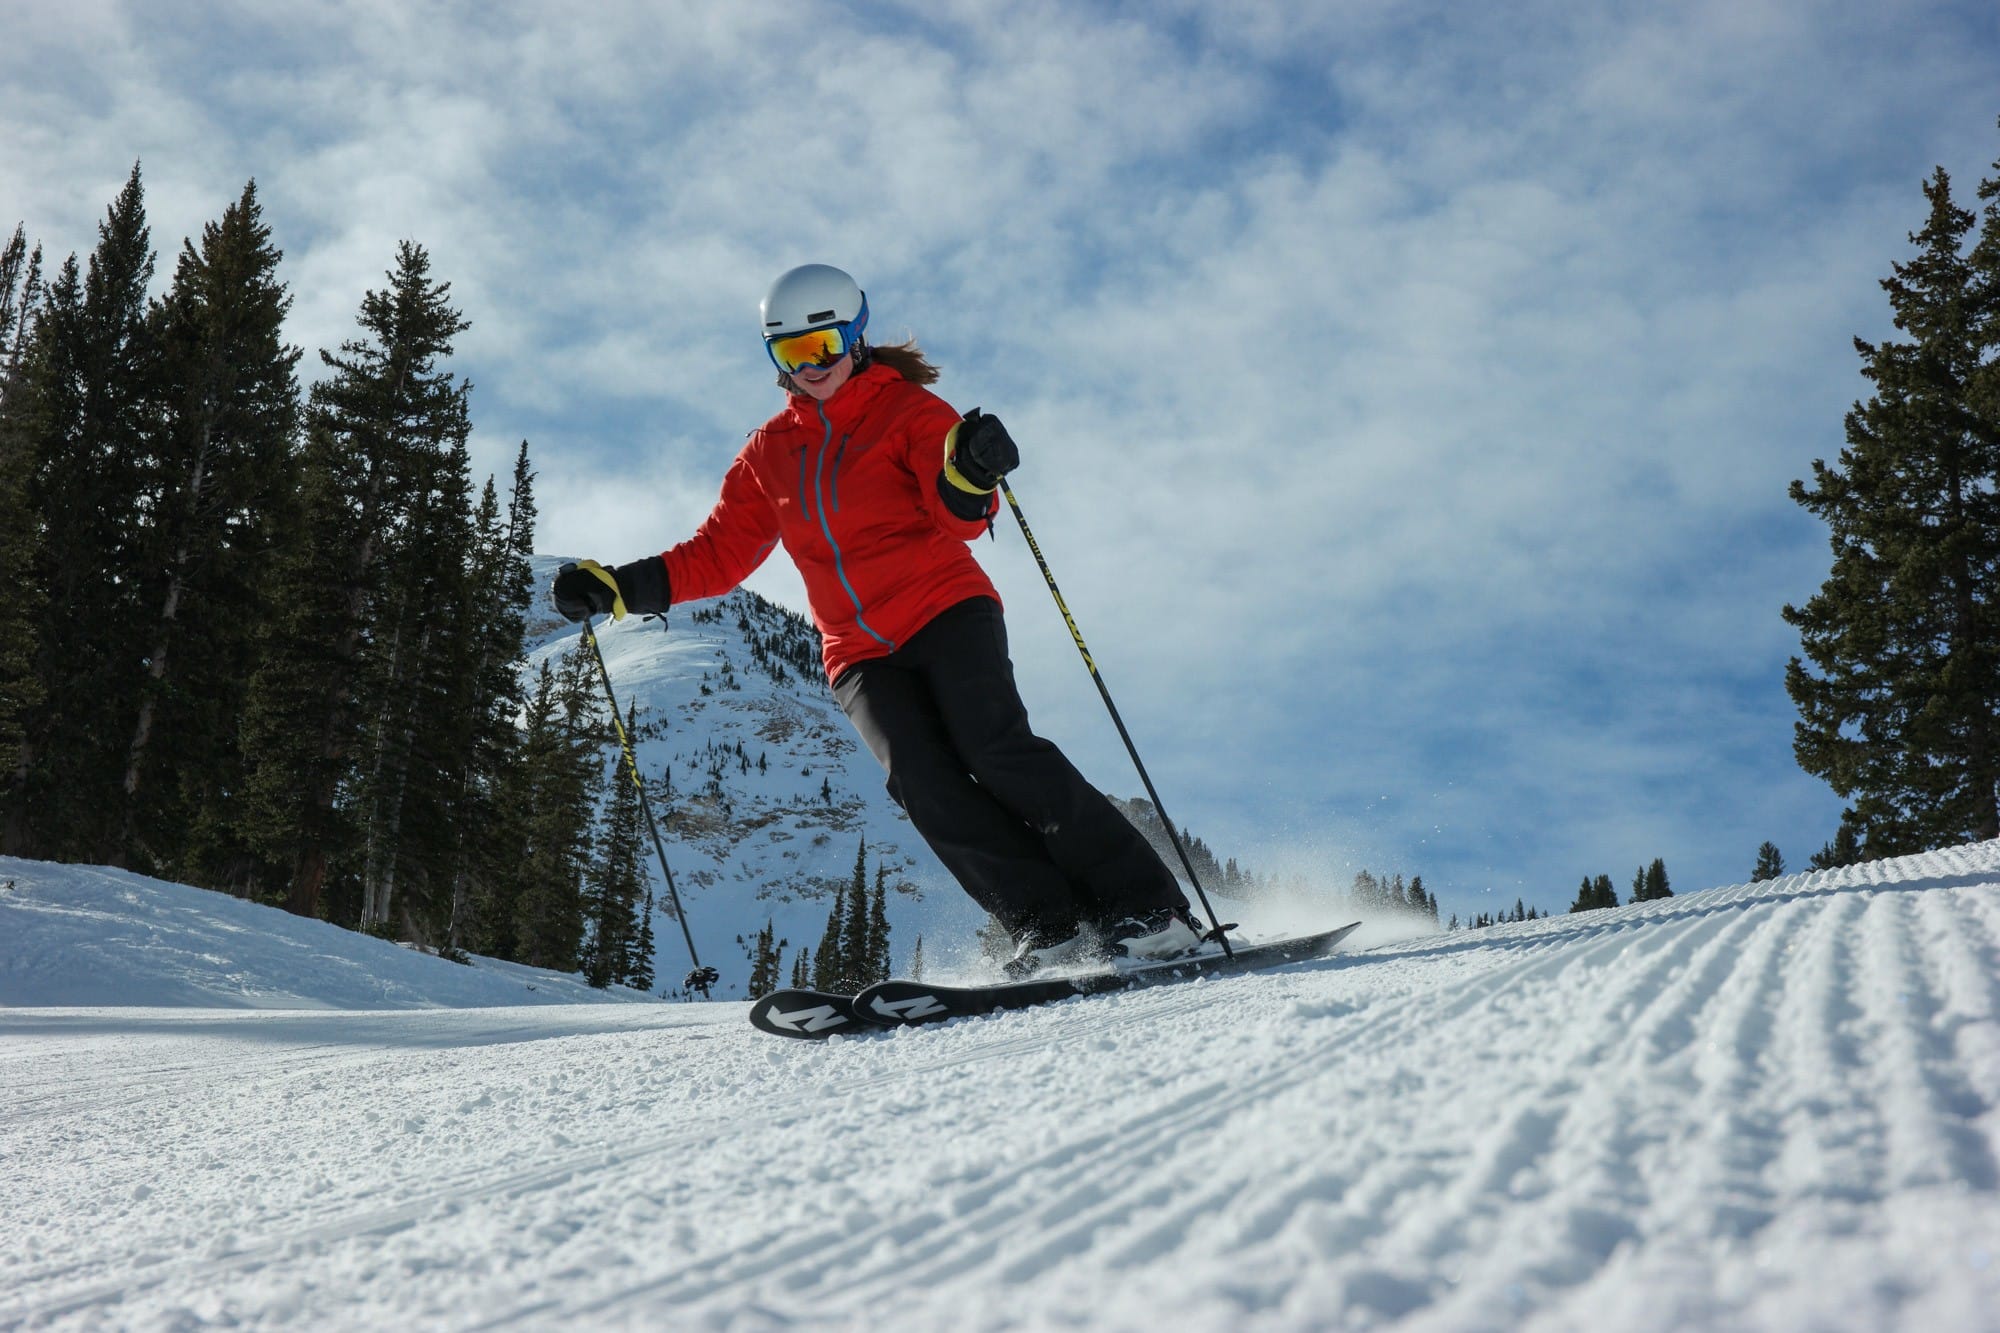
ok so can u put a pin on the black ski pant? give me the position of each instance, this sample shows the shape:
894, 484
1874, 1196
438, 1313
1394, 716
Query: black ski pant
1011, 818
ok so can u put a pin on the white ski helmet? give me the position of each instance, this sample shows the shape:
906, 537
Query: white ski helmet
813, 296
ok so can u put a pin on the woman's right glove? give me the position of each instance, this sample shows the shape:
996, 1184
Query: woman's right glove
586, 588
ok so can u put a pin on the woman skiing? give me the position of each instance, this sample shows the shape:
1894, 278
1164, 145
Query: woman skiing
874, 486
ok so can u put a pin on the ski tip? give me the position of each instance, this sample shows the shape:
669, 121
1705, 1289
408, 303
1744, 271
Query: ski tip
809, 1015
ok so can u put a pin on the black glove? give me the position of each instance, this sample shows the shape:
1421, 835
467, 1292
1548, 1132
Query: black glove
981, 451
587, 588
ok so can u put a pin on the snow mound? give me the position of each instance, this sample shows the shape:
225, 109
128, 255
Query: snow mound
90, 936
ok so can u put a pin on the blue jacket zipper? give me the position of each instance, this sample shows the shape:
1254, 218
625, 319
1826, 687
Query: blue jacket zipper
826, 529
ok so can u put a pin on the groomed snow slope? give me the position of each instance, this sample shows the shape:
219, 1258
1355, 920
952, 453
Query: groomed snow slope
1774, 1106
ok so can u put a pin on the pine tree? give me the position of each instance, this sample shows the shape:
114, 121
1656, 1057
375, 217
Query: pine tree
829, 968
878, 928
1599, 893
22, 608
20, 292
1900, 711
764, 962
854, 951
382, 540
1844, 850
1770, 863
917, 960
90, 412
562, 754
489, 843
532, 908
1424, 904
296, 720
802, 972
418, 674
217, 475
639, 968
1650, 884
615, 884
491, 923
418, 682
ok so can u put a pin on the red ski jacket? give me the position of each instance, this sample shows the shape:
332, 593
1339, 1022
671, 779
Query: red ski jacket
849, 488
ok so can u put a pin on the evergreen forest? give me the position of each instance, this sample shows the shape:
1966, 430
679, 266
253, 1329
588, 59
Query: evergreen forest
268, 639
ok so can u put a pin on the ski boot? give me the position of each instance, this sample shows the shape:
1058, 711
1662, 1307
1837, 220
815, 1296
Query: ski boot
1166, 933
1042, 948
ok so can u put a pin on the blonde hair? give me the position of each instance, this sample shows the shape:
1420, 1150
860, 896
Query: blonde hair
905, 358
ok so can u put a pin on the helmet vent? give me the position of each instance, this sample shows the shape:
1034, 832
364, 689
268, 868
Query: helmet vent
818, 315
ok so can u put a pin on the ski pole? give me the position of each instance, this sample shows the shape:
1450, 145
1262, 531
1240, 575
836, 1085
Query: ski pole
1104, 691
702, 977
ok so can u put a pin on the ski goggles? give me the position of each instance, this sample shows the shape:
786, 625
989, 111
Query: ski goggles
817, 347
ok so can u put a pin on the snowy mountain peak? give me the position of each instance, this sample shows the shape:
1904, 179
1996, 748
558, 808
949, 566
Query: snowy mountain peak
764, 794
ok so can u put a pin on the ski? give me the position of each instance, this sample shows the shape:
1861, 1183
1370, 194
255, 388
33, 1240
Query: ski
902, 1003
809, 1015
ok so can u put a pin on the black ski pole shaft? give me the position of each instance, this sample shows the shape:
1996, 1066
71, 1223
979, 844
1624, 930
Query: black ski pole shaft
1104, 692
701, 978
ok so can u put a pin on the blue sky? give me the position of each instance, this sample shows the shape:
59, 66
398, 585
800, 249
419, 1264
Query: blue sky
1407, 392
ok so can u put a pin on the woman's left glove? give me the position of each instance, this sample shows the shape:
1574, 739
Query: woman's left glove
980, 451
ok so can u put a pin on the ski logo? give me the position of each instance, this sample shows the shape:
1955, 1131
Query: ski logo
910, 1010
816, 1019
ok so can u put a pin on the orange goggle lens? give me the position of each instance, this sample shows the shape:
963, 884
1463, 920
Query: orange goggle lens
816, 347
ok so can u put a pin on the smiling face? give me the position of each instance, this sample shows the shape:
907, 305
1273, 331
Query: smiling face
823, 382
